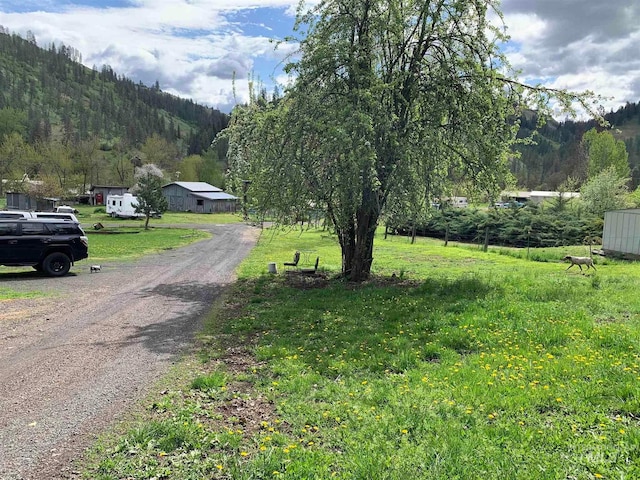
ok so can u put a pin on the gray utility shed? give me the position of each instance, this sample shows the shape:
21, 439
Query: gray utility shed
199, 197
621, 235
23, 201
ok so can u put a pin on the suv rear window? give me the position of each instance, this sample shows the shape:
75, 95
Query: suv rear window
33, 228
8, 229
64, 229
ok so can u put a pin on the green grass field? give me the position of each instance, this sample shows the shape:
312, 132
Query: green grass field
88, 216
464, 365
126, 243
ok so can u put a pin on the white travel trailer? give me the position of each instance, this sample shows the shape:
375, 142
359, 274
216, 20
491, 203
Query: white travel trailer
123, 206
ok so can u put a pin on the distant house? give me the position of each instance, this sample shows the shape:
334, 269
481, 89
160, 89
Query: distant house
98, 193
198, 197
536, 196
24, 201
621, 235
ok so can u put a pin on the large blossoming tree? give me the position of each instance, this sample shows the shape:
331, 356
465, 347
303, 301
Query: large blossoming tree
390, 97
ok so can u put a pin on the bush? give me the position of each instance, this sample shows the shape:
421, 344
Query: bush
99, 210
511, 227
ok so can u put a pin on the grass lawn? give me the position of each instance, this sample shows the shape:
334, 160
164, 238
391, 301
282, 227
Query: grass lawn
465, 365
126, 243
88, 216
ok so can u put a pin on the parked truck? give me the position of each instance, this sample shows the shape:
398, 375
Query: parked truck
123, 206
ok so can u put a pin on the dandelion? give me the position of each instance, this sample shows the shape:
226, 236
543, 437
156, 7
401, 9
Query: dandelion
219, 467
243, 454
405, 431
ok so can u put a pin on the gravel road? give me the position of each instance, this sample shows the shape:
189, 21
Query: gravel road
71, 363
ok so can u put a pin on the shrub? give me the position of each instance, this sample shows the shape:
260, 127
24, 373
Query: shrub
511, 227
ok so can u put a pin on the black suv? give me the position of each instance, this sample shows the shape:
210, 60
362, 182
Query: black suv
48, 245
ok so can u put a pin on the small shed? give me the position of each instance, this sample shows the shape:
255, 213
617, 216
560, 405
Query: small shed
199, 197
98, 193
621, 236
24, 201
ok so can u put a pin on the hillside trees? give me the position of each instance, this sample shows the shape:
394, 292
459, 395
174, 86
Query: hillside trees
605, 151
13, 149
86, 161
57, 93
385, 91
160, 152
12, 121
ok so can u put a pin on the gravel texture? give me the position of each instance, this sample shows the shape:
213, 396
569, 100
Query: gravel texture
72, 362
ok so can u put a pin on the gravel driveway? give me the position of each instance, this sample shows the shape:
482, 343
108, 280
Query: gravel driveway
70, 363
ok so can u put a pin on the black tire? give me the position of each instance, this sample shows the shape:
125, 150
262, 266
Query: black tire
56, 264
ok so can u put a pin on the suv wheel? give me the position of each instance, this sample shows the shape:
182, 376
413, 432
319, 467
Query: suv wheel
56, 264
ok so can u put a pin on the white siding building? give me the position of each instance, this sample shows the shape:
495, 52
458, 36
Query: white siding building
621, 236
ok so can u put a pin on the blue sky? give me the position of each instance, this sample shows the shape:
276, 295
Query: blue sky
194, 47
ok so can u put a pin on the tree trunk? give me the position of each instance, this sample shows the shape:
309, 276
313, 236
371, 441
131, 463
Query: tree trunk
485, 247
356, 242
146, 221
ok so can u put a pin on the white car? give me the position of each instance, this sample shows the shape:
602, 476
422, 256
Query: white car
30, 215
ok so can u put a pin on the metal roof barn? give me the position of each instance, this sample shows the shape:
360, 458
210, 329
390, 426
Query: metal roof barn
199, 197
621, 236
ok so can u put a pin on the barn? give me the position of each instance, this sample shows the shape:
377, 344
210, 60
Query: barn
621, 236
198, 197
24, 201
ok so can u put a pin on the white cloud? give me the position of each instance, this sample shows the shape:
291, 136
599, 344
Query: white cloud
586, 45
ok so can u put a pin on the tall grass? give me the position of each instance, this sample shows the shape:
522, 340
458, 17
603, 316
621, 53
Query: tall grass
466, 365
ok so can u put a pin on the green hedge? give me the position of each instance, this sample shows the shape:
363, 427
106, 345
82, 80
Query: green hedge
514, 227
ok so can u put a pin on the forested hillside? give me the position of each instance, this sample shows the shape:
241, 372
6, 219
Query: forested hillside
82, 125
60, 108
559, 152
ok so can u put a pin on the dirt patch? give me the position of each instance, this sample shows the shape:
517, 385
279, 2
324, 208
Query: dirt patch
302, 281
